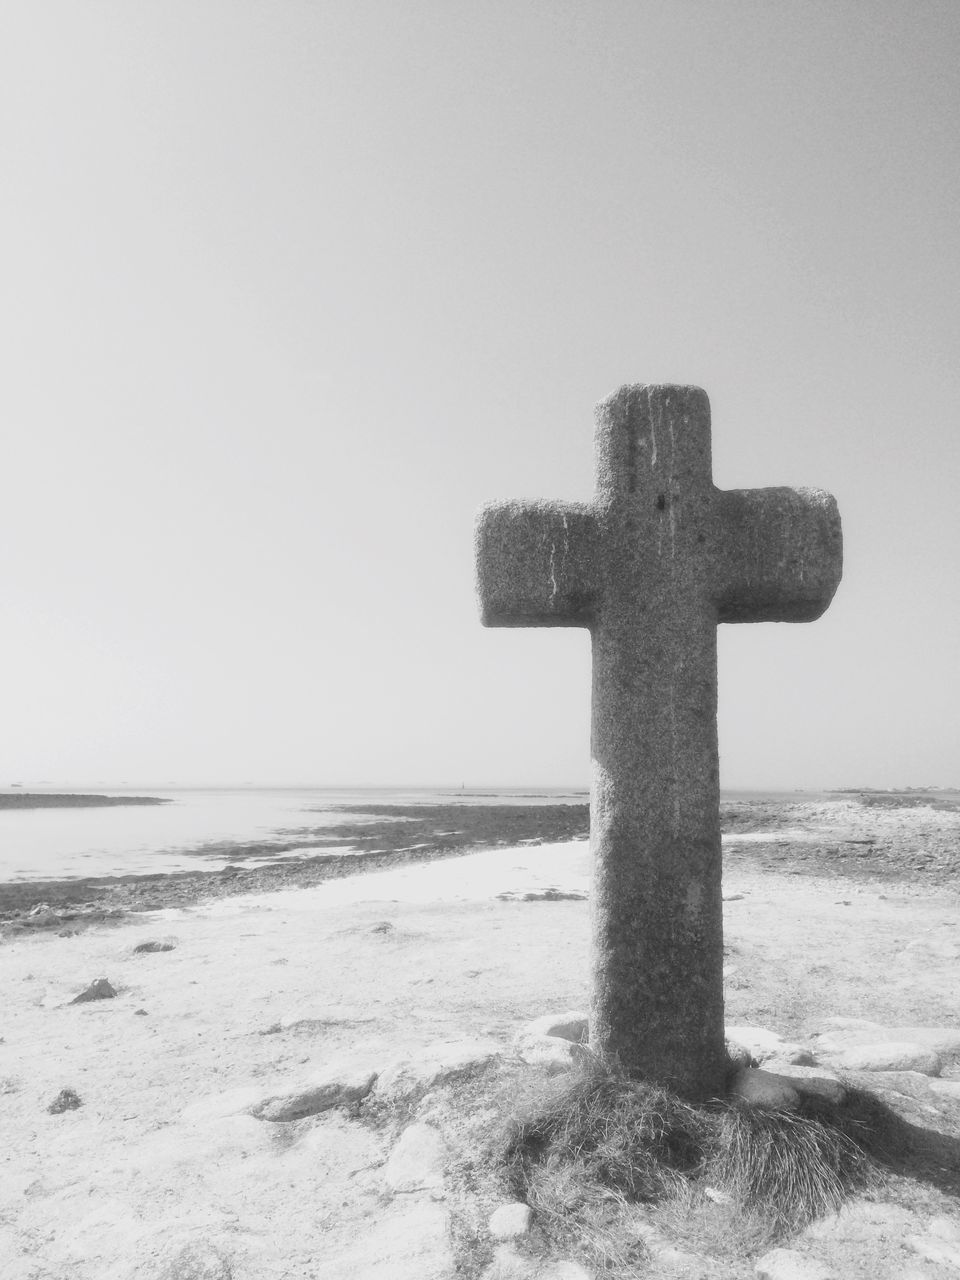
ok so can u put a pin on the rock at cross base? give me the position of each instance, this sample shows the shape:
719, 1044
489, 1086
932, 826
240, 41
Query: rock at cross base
650, 567
510, 1220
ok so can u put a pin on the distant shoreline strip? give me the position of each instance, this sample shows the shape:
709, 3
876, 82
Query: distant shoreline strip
69, 800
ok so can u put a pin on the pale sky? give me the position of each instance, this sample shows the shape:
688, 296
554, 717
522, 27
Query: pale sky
289, 289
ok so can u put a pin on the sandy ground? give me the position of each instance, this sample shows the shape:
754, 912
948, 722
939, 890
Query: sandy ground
162, 1173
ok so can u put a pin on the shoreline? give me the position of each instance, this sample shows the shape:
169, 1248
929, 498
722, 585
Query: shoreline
901, 837
382, 835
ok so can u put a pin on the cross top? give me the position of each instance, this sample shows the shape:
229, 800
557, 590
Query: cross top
760, 555
650, 567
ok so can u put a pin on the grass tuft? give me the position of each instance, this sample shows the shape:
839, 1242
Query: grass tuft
791, 1166
601, 1159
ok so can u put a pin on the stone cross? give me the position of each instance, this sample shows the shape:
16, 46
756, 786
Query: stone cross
650, 566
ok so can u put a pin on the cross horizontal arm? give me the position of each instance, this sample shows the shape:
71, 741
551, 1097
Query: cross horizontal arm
537, 564
781, 557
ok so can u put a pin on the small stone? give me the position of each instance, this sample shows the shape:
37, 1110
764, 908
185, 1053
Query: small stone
718, 1196
551, 895
154, 944
66, 1100
510, 1220
763, 1089
99, 990
339, 1085
417, 1162
140, 1013
788, 1264
890, 1056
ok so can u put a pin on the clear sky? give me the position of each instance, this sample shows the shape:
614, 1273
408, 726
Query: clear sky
289, 289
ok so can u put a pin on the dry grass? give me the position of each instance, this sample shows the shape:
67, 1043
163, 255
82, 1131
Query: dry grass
604, 1161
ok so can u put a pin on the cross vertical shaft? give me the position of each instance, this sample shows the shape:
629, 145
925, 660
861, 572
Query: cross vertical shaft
651, 566
657, 993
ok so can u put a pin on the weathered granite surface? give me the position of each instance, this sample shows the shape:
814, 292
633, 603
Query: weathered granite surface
650, 567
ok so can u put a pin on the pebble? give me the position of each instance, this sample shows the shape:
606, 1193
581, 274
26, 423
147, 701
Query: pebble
417, 1161
718, 1196
98, 990
511, 1220
66, 1100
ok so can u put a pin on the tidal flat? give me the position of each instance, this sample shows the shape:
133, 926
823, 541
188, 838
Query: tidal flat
904, 837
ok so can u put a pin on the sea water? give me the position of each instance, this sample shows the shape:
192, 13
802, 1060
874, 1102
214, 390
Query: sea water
68, 843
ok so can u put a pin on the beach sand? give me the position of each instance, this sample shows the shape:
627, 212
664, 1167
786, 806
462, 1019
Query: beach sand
163, 1172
